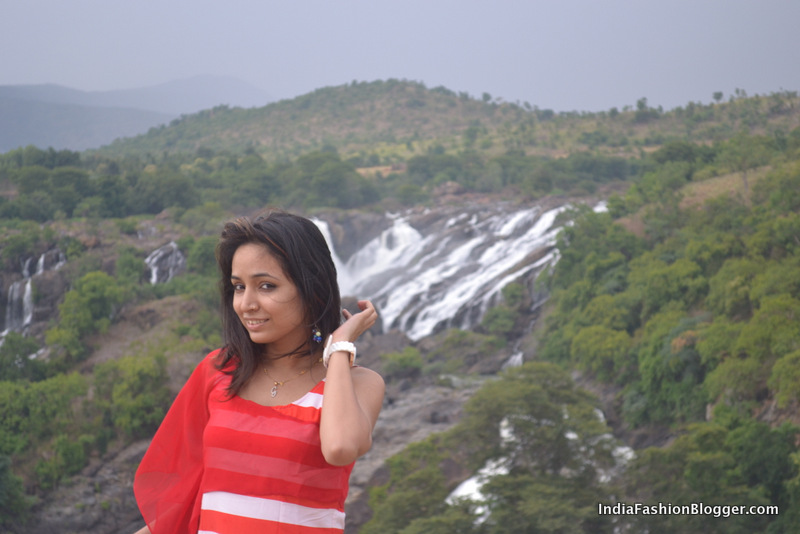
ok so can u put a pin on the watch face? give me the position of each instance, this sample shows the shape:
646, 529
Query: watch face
339, 346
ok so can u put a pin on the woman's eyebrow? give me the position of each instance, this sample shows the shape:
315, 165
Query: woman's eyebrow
255, 275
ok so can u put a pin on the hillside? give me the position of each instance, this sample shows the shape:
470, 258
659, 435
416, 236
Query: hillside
75, 127
393, 120
348, 117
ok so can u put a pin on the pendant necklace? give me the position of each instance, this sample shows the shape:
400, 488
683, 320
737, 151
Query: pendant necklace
276, 384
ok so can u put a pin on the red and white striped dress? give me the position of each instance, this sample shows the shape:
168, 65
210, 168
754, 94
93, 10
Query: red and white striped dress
232, 466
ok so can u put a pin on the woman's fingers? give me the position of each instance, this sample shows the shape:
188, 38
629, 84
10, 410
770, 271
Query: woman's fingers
358, 323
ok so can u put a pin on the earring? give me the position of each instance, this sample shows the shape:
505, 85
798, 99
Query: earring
316, 335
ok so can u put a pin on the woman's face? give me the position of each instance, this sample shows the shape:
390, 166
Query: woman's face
267, 301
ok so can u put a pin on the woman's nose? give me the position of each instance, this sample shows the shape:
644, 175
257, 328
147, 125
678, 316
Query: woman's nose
248, 301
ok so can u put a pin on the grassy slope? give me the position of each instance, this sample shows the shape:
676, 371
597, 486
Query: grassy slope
398, 119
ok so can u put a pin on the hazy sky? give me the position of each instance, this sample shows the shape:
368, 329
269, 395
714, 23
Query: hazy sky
559, 54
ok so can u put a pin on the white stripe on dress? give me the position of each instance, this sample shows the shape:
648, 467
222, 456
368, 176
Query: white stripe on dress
271, 510
309, 400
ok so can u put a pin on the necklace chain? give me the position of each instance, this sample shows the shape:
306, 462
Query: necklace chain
276, 383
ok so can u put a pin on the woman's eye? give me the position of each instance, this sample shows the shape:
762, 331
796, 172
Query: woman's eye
267, 286
238, 287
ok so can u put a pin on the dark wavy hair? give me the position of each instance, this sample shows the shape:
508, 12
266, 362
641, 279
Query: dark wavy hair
305, 258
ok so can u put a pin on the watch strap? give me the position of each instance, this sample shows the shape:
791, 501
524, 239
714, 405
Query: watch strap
343, 346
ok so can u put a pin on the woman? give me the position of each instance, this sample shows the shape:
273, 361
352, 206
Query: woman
263, 436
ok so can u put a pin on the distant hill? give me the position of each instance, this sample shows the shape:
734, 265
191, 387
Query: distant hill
69, 126
393, 120
51, 115
351, 117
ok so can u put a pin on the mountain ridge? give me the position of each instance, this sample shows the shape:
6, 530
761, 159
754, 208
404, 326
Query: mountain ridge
51, 115
351, 117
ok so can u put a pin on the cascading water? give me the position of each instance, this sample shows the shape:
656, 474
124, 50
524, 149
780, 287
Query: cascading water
165, 262
430, 271
19, 302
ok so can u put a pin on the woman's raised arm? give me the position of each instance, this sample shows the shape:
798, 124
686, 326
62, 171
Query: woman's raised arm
353, 396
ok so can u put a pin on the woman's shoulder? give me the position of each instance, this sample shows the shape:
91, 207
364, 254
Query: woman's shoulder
211, 368
367, 377
218, 360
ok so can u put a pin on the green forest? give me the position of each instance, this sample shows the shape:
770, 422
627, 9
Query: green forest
693, 320
682, 300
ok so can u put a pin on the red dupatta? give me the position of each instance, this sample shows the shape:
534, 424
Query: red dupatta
167, 481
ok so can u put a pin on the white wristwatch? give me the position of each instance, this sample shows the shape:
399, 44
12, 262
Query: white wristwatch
344, 346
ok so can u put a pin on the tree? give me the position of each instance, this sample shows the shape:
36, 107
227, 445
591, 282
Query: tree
643, 112
785, 379
772, 334
113, 191
89, 307
670, 370
742, 153
16, 362
134, 393
499, 320
730, 288
545, 430
774, 330
591, 232
780, 189
536, 423
13, 503
31, 179
201, 258
405, 364
698, 467
67, 186
659, 283
522, 504
458, 518
601, 351
162, 188
130, 266
762, 456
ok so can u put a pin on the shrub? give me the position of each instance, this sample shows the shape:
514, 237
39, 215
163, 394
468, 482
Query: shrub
133, 393
404, 364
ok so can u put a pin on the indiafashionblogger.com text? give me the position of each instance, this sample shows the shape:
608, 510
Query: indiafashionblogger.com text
686, 509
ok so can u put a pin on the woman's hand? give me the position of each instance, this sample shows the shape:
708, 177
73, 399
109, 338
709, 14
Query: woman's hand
356, 324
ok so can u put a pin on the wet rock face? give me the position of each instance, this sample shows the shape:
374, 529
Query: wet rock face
429, 270
29, 298
165, 263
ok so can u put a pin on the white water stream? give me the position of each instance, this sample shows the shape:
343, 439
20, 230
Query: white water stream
447, 272
19, 300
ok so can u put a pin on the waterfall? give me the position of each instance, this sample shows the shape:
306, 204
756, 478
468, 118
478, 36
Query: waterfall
19, 300
15, 306
430, 271
515, 360
165, 263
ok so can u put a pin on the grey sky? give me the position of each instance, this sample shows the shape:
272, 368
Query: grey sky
559, 54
